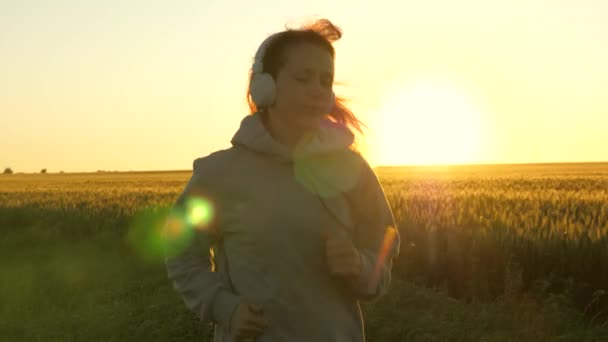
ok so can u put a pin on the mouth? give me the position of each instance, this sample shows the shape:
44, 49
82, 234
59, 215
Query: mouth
313, 107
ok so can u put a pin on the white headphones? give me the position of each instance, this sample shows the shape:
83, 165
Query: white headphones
262, 85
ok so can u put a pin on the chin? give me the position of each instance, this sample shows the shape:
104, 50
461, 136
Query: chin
309, 122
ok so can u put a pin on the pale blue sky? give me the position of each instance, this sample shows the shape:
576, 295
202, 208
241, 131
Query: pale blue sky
150, 85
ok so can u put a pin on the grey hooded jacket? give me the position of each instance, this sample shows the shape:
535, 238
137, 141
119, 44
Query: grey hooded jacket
249, 223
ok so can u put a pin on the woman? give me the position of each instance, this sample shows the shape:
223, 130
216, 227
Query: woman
279, 237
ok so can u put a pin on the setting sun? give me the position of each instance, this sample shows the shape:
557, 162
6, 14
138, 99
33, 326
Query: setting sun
427, 121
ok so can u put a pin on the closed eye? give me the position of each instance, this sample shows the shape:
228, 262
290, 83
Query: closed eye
327, 82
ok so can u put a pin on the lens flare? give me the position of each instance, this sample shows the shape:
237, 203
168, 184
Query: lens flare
155, 233
146, 232
327, 174
177, 232
385, 249
199, 212
173, 227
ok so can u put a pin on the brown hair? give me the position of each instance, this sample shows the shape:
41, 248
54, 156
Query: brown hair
322, 33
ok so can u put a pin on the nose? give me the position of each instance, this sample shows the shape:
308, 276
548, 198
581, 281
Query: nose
318, 90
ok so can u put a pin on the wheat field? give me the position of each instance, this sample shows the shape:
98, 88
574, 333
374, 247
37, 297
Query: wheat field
489, 253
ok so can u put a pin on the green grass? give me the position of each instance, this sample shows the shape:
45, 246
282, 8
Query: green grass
101, 291
88, 290
71, 270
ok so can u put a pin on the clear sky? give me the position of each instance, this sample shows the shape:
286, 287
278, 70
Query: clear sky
152, 85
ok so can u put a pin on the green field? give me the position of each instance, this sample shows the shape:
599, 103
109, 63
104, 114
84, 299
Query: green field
489, 253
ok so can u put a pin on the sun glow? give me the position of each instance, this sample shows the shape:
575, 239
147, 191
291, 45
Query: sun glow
427, 121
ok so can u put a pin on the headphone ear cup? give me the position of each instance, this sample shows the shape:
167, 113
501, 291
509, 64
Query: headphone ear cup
263, 89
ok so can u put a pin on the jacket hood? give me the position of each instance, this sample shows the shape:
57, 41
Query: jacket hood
328, 138
322, 160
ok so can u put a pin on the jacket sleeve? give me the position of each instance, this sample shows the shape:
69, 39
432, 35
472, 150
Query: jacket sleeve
188, 259
376, 236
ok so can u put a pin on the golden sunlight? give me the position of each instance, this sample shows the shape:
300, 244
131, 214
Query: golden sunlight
427, 121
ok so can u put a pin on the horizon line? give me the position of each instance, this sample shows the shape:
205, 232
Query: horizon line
374, 167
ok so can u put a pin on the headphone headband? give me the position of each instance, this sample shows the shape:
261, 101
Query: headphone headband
258, 65
262, 86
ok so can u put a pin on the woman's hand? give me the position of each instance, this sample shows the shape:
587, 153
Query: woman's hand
342, 255
248, 321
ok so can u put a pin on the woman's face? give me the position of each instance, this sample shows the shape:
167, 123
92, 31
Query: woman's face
304, 85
